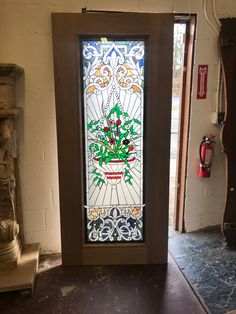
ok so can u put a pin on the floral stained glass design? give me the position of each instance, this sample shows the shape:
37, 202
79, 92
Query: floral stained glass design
113, 94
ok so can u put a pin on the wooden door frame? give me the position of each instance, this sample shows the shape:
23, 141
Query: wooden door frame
66, 28
184, 114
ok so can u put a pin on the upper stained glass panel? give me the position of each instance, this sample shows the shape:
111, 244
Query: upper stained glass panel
113, 94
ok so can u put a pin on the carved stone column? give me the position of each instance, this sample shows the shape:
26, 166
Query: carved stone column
18, 267
10, 246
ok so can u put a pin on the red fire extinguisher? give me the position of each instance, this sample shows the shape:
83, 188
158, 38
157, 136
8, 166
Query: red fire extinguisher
205, 154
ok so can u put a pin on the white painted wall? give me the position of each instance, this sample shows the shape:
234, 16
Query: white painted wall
26, 39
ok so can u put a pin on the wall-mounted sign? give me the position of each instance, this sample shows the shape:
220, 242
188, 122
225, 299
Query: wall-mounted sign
202, 81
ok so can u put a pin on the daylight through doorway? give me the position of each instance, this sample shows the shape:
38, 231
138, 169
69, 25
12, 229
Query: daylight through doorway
178, 60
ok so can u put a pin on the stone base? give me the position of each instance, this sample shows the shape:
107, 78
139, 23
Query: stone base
10, 253
23, 276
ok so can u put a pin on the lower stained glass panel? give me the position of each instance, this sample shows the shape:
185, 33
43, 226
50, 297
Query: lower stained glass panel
113, 95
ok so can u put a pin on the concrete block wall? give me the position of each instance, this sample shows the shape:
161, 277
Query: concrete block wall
25, 34
204, 197
26, 39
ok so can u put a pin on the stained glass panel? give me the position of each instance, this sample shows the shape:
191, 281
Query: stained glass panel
113, 96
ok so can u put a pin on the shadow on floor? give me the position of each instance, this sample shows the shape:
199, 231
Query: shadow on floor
209, 267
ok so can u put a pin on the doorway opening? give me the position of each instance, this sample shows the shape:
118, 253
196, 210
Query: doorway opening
184, 29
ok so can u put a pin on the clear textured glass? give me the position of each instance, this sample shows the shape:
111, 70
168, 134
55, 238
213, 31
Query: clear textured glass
113, 96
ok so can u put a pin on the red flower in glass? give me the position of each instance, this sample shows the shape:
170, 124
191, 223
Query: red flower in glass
106, 129
112, 141
118, 122
126, 142
110, 122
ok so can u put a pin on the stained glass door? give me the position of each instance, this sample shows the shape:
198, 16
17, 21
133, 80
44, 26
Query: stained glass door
113, 81
113, 93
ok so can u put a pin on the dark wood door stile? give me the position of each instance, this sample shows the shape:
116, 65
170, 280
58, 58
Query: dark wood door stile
228, 54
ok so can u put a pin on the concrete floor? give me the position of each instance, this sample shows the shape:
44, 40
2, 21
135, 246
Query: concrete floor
137, 289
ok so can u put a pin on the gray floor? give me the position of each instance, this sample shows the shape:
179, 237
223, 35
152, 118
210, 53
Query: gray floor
131, 289
209, 267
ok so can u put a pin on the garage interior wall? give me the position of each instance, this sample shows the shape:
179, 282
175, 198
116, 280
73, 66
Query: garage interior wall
26, 39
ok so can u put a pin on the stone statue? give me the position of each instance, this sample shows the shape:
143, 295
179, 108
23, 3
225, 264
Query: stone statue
10, 246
